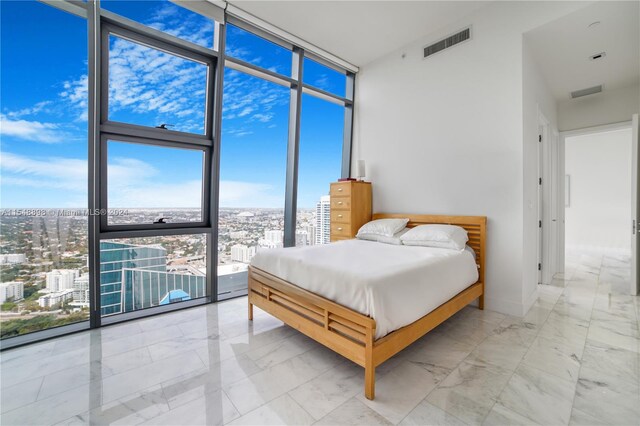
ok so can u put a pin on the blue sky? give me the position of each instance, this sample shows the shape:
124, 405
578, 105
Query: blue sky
44, 105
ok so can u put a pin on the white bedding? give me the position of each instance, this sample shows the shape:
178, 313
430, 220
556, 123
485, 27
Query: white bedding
395, 285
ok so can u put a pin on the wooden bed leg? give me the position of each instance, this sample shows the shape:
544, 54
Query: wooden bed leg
250, 311
370, 381
481, 302
369, 367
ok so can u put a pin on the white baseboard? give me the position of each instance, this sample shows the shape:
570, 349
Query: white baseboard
530, 300
507, 307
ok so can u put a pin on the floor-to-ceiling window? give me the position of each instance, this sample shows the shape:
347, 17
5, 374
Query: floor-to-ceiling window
252, 175
283, 143
111, 187
43, 163
155, 158
321, 149
253, 159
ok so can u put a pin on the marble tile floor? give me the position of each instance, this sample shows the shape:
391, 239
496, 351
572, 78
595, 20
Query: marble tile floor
573, 359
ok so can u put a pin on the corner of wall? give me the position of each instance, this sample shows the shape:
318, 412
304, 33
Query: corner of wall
507, 307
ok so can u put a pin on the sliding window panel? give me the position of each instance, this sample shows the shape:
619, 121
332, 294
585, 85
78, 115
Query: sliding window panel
255, 50
252, 175
43, 163
168, 17
149, 184
142, 273
153, 88
324, 78
319, 164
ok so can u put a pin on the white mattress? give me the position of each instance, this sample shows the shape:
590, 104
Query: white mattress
395, 285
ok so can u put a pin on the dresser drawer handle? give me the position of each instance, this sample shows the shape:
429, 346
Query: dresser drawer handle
339, 229
339, 215
339, 203
339, 189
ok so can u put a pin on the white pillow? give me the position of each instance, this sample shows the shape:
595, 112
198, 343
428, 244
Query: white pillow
444, 236
395, 240
385, 227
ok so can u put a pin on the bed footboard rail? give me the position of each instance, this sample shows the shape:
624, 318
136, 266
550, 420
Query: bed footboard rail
340, 329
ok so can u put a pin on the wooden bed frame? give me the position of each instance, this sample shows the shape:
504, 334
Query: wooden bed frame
350, 333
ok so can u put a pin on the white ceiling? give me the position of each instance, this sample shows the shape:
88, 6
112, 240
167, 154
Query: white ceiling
359, 31
562, 48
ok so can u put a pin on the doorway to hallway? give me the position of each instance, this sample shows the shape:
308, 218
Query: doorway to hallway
598, 202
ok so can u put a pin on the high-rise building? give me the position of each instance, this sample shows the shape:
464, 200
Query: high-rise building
311, 232
237, 235
274, 236
232, 280
323, 220
81, 289
13, 290
242, 253
134, 277
55, 298
61, 279
12, 258
265, 244
302, 238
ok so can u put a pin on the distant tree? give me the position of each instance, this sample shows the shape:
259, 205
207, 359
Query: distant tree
29, 290
8, 306
31, 306
16, 327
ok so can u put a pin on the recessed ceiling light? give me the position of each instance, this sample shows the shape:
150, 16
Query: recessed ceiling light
593, 24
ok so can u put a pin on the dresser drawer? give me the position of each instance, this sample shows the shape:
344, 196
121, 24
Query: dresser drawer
340, 203
340, 189
335, 238
340, 230
340, 216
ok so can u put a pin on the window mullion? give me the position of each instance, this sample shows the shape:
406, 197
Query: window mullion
94, 166
293, 148
348, 126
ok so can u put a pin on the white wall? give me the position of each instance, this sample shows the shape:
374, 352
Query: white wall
599, 169
536, 97
610, 106
444, 135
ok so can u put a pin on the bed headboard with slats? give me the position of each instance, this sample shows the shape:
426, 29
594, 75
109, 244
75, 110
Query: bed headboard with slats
476, 227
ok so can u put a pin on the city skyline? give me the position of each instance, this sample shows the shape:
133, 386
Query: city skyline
45, 263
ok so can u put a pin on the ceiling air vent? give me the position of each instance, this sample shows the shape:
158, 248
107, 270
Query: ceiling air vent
587, 91
447, 42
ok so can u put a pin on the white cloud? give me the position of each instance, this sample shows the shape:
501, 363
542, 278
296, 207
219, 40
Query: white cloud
239, 132
263, 118
76, 92
248, 100
171, 19
32, 130
246, 111
132, 183
55, 172
37, 108
143, 80
322, 82
134, 194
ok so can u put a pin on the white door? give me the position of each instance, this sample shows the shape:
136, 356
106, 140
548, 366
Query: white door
635, 286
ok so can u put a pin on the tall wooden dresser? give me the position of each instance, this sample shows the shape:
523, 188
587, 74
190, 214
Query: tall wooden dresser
350, 208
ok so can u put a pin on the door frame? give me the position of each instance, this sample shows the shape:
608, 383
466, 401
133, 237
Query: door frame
635, 205
547, 235
560, 182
